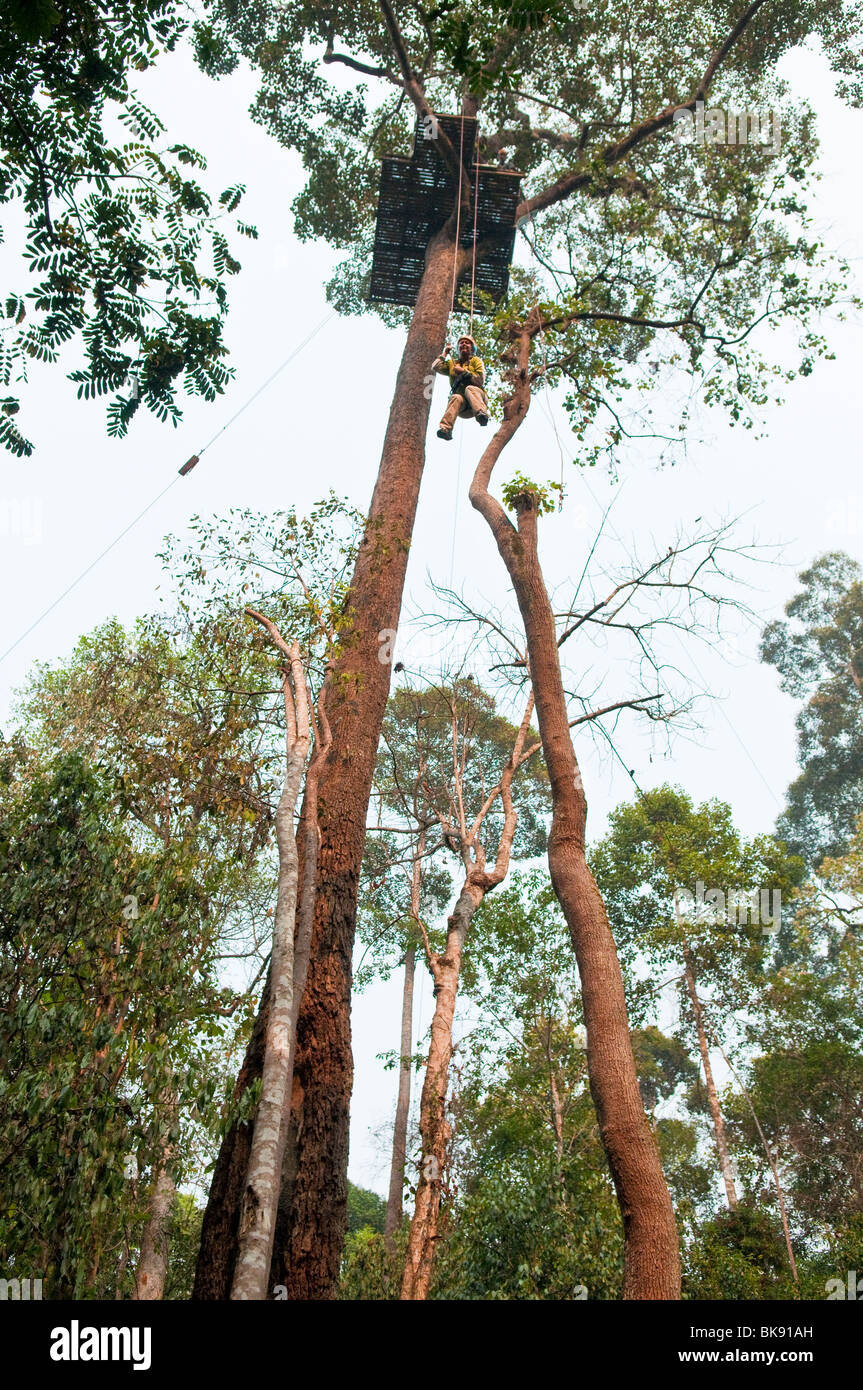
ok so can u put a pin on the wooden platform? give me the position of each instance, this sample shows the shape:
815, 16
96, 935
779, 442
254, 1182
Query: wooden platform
417, 196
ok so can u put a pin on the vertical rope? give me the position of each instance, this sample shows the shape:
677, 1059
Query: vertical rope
455, 507
475, 214
457, 213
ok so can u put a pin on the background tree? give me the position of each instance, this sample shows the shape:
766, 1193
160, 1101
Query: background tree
818, 651
110, 1003
658, 849
804, 1074
180, 718
449, 782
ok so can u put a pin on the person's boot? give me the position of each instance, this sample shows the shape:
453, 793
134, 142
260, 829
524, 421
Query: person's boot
444, 434
481, 417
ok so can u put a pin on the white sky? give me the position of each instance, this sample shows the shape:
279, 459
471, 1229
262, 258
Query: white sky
321, 425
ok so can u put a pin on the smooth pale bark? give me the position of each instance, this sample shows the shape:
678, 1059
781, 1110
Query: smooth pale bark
220, 1230
783, 1212
152, 1268
263, 1176
313, 1218
446, 970
403, 1103
725, 1168
651, 1255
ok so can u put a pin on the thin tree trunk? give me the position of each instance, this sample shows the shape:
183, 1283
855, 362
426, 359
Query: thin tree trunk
400, 1129
152, 1268
434, 1129
774, 1170
556, 1116
308, 1247
725, 1168
446, 970
263, 1177
651, 1254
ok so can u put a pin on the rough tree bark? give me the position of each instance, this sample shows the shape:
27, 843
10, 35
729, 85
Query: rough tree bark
651, 1256
403, 1103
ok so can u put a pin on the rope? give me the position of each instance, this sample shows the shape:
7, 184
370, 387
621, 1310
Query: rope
270, 379
458, 225
455, 506
457, 216
181, 473
475, 216
91, 566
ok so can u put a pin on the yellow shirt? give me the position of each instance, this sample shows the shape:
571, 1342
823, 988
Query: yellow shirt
454, 367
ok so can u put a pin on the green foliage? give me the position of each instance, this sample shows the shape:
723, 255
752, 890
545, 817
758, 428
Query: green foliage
185, 1239
369, 1270
663, 257
104, 1026
808, 1101
658, 849
522, 1233
125, 252
739, 1255
136, 892
520, 486
662, 1064
532, 1213
818, 651
366, 1210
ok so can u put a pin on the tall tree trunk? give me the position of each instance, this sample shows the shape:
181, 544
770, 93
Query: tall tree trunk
434, 1129
357, 703
263, 1177
400, 1129
712, 1097
152, 1267
651, 1254
310, 1233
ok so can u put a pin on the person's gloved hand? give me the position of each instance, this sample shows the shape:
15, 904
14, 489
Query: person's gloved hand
463, 379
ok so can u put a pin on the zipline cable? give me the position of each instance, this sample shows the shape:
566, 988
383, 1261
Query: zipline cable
181, 473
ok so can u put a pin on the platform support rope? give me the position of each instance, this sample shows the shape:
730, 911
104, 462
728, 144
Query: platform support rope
457, 245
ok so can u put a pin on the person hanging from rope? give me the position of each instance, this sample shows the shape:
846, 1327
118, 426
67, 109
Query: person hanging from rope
467, 378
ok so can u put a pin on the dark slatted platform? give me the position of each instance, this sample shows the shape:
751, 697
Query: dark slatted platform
416, 197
